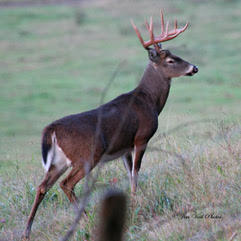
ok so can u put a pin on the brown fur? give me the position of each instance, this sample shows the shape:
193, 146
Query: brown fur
114, 129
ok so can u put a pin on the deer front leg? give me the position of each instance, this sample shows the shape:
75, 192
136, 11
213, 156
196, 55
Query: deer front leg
139, 151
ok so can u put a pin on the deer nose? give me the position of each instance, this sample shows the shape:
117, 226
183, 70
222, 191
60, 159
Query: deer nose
195, 69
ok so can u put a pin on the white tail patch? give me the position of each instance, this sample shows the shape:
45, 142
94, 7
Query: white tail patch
56, 156
51, 154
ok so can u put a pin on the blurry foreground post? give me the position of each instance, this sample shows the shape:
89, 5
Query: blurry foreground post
112, 217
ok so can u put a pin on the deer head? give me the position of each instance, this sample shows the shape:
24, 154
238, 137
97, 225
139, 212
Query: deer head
163, 60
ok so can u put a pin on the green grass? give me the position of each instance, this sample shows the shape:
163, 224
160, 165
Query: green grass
56, 60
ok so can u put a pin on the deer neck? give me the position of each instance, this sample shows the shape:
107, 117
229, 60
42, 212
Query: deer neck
156, 86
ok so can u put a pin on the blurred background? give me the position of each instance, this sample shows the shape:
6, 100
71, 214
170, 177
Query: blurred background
56, 58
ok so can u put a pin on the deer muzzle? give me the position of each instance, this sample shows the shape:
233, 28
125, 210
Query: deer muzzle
193, 71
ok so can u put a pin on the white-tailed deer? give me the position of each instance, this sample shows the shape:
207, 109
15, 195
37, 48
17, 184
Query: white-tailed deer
119, 128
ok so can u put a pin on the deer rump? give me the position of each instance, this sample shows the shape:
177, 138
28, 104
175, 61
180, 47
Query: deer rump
105, 133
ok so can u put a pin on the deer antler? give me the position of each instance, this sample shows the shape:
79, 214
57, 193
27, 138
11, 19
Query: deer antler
164, 36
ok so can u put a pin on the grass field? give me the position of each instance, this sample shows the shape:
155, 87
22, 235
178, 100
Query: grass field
57, 60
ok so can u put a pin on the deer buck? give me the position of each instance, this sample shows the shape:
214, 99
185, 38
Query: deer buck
119, 128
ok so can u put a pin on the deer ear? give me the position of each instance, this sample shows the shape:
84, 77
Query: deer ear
154, 56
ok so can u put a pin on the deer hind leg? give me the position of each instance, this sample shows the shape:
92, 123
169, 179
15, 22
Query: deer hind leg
139, 151
50, 178
68, 184
127, 160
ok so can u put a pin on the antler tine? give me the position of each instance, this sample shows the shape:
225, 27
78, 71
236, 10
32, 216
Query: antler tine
174, 34
178, 31
164, 36
185, 27
147, 25
175, 25
152, 38
138, 33
151, 30
166, 31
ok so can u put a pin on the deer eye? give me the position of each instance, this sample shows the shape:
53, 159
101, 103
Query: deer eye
170, 61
